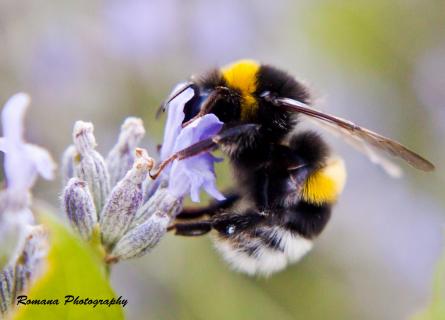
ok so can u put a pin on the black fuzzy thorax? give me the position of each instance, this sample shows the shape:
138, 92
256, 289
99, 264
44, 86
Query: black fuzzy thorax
276, 122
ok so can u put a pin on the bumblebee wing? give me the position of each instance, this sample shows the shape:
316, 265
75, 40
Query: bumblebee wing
374, 155
364, 139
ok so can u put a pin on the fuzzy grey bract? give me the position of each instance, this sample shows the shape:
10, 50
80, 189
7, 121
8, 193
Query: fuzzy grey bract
129, 211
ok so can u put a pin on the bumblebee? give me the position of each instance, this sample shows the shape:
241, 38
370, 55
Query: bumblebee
286, 180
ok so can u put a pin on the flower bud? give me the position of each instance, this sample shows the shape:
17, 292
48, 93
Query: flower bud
162, 201
125, 198
6, 289
121, 157
91, 167
68, 160
21, 279
79, 207
150, 186
141, 239
30, 265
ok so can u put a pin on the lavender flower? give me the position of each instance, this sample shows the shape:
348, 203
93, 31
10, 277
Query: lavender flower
79, 207
23, 246
31, 262
125, 199
121, 157
162, 200
185, 176
173, 126
7, 284
23, 163
91, 167
132, 220
142, 238
197, 172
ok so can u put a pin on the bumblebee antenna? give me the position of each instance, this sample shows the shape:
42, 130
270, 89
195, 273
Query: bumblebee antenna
175, 93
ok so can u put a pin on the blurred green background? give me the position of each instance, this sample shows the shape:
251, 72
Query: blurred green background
379, 63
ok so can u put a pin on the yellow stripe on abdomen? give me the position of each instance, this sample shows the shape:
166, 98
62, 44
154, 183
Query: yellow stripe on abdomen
242, 75
326, 184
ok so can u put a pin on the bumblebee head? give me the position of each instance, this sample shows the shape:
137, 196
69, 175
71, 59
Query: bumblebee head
234, 93
229, 93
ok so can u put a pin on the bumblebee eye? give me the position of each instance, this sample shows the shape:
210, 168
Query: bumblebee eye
193, 106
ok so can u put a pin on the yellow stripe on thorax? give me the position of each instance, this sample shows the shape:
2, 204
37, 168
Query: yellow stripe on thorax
326, 184
242, 75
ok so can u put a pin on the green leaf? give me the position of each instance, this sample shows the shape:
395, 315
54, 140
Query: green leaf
73, 269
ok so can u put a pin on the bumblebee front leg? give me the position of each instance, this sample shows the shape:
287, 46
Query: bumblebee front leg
210, 210
225, 223
191, 229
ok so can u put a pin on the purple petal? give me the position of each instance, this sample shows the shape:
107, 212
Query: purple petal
210, 188
194, 189
23, 162
13, 115
42, 161
202, 128
209, 125
19, 170
173, 125
192, 174
179, 182
189, 175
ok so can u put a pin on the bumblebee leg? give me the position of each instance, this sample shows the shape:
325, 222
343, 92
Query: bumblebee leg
191, 229
230, 223
193, 213
227, 224
205, 145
